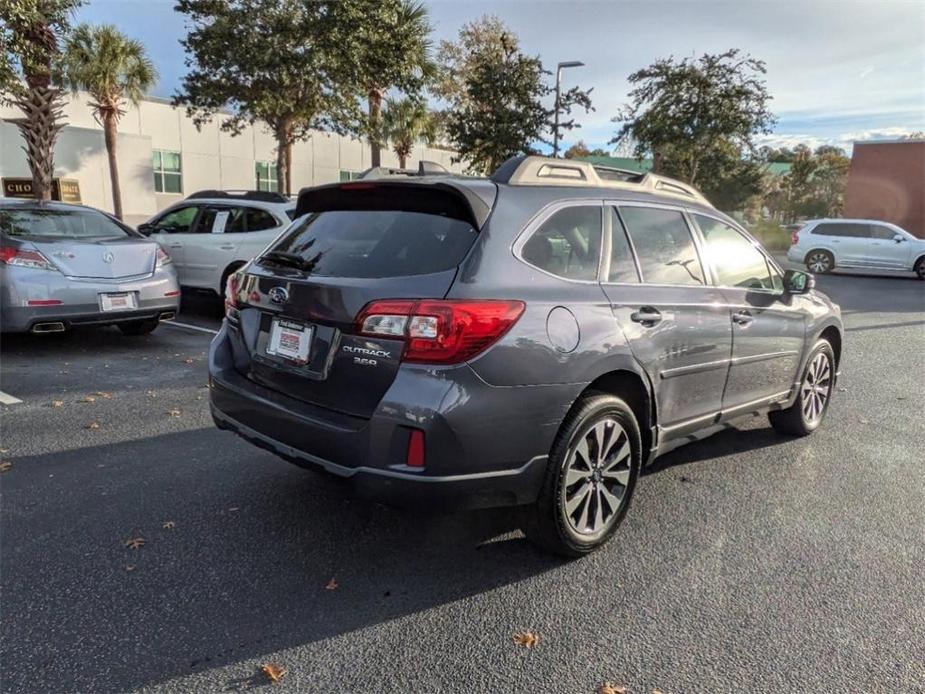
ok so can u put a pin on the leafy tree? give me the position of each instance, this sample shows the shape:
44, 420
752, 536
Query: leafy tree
389, 47
113, 68
780, 154
404, 122
495, 94
698, 119
30, 34
577, 151
814, 186
280, 63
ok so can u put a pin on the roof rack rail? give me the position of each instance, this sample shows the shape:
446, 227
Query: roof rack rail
425, 168
261, 195
533, 170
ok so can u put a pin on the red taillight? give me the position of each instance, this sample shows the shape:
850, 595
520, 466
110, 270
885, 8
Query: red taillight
163, 258
415, 456
23, 257
232, 284
44, 302
440, 331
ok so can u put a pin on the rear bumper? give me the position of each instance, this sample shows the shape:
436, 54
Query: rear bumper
19, 319
484, 446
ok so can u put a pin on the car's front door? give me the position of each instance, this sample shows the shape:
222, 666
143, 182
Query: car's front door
171, 231
885, 251
767, 328
213, 245
676, 323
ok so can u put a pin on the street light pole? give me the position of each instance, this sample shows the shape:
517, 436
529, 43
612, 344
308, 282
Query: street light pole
555, 127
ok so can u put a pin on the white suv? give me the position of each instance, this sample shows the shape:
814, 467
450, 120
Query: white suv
825, 244
212, 233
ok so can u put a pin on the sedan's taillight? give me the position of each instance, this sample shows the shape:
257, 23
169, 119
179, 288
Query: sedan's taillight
440, 331
23, 257
163, 258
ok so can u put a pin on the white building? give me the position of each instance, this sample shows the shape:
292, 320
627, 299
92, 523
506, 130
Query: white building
163, 157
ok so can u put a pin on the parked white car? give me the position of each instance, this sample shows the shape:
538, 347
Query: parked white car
212, 233
825, 244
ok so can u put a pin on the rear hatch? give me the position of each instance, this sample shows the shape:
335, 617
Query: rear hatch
293, 325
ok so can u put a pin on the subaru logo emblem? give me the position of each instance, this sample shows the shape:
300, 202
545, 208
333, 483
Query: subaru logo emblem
279, 295
108, 257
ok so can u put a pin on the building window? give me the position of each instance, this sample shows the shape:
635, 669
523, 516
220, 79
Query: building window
348, 175
267, 179
168, 178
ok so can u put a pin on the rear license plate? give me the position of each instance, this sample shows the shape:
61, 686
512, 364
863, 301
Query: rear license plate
124, 301
290, 340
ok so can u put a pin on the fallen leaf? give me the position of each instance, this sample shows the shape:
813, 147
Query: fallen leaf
150, 393
188, 361
88, 398
5, 466
168, 524
173, 413
274, 672
135, 543
526, 638
129, 567
4, 450
610, 688
104, 395
332, 585
93, 425
232, 509
57, 403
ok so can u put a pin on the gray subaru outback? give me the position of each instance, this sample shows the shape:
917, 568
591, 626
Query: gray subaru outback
531, 339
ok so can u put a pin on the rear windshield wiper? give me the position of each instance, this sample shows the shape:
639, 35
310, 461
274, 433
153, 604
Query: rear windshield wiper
284, 258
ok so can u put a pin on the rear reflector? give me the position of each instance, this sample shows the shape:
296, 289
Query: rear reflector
440, 331
415, 457
43, 302
175, 292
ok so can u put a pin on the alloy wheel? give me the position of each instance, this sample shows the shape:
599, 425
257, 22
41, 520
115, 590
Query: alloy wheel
816, 388
596, 477
819, 262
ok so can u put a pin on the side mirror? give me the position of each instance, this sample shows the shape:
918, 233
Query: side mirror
797, 282
146, 229
899, 238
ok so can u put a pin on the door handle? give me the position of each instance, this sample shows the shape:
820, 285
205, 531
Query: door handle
226, 247
175, 245
646, 315
743, 317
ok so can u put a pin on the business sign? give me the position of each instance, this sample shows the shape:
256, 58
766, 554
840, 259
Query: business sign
63, 189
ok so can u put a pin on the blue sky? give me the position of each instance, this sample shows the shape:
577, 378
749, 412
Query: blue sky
838, 71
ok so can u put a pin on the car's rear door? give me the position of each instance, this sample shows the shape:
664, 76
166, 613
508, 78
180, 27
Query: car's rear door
211, 245
355, 244
677, 324
768, 328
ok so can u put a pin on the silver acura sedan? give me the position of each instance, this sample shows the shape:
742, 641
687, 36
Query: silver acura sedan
67, 265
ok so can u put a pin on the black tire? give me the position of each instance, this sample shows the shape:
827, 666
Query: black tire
819, 261
794, 421
547, 523
920, 268
138, 327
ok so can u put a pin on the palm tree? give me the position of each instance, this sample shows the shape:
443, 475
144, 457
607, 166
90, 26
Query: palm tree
404, 122
113, 68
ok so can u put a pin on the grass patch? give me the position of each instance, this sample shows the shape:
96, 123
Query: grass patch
771, 235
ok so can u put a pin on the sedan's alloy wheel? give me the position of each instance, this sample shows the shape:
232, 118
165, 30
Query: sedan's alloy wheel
816, 387
596, 477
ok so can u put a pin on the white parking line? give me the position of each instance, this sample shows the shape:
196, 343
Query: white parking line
174, 324
8, 399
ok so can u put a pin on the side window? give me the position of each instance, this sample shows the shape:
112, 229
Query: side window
734, 258
663, 245
177, 221
881, 232
568, 244
235, 223
258, 220
622, 265
210, 217
777, 281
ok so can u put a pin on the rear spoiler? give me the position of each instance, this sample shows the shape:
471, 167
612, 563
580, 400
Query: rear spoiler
443, 198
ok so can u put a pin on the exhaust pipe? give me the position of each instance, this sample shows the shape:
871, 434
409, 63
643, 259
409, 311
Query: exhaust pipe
167, 315
54, 327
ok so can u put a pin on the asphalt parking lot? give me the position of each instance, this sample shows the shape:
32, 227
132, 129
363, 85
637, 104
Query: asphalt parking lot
748, 562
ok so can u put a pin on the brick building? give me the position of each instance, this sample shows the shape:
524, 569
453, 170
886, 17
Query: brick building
886, 181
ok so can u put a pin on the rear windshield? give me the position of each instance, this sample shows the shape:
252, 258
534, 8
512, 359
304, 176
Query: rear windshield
376, 243
71, 224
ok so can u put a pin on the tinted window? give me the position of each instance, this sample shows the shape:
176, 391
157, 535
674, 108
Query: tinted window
568, 244
845, 229
373, 243
734, 258
72, 224
878, 231
663, 245
177, 220
622, 265
257, 220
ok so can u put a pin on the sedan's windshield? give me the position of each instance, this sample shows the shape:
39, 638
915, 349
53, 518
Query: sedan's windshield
49, 223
